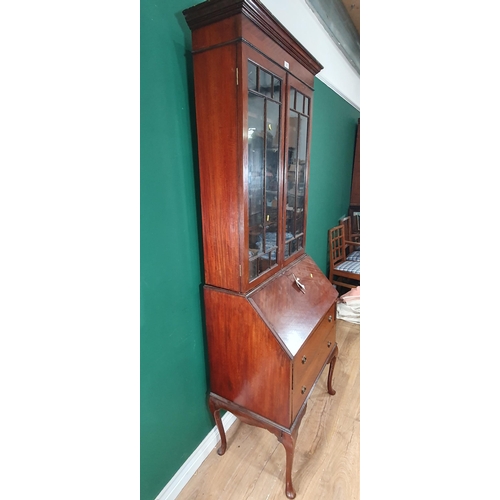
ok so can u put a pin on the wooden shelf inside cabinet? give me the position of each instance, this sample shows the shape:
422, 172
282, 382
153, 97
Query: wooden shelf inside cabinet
266, 301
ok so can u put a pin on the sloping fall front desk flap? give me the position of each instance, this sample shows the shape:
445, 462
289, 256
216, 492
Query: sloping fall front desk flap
291, 313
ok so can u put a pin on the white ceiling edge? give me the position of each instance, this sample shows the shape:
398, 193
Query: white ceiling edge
338, 74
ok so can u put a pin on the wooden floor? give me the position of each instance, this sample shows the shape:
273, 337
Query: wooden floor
326, 463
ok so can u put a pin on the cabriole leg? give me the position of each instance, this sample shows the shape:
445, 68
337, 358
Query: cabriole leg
215, 410
330, 370
288, 442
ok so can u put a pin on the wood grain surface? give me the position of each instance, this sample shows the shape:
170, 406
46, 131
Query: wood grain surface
326, 463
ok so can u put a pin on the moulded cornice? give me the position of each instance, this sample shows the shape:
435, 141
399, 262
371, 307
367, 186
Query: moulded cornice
213, 11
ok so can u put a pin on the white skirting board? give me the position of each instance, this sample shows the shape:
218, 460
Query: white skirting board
190, 466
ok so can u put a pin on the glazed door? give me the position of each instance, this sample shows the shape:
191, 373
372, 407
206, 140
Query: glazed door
263, 87
299, 104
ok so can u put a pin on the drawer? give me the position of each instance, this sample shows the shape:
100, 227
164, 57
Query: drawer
311, 358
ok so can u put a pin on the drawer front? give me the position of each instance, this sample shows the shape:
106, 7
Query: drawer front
311, 358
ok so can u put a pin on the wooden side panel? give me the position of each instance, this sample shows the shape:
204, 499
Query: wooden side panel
220, 32
219, 163
293, 315
247, 364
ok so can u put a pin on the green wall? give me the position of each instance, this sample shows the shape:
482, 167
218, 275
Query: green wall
332, 153
174, 416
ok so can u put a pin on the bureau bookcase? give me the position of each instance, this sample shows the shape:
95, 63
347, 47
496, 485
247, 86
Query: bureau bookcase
269, 310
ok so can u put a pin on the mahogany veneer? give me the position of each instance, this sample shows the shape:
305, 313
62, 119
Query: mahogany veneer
269, 310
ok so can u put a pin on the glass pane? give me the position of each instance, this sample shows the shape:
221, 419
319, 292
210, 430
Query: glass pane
291, 180
302, 150
264, 129
265, 84
296, 173
300, 102
277, 89
299, 222
255, 170
292, 98
302, 154
301, 174
252, 76
271, 244
252, 268
272, 162
264, 263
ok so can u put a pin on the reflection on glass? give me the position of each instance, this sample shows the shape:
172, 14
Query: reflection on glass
292, 98
263, 169
276, 89
302, 148
272, 160
255, 162
265, 85
296, 175
291, 189
306, 105
301, 175
252, 76
299, 106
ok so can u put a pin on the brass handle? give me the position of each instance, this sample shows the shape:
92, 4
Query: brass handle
329, 344
330, 318
304, 359
300, 286
304, 389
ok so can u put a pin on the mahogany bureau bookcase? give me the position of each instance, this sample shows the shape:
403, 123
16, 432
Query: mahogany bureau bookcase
269, 310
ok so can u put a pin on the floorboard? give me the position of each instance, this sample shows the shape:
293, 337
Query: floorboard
326, 462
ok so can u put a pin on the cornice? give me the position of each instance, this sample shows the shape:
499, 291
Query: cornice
213, 11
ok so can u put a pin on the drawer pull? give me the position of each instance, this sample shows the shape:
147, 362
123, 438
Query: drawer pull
304, 389
330, 318
329, 344
300, 286
304, 359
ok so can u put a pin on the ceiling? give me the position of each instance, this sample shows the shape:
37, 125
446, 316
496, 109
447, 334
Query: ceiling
352, 8
340, 18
